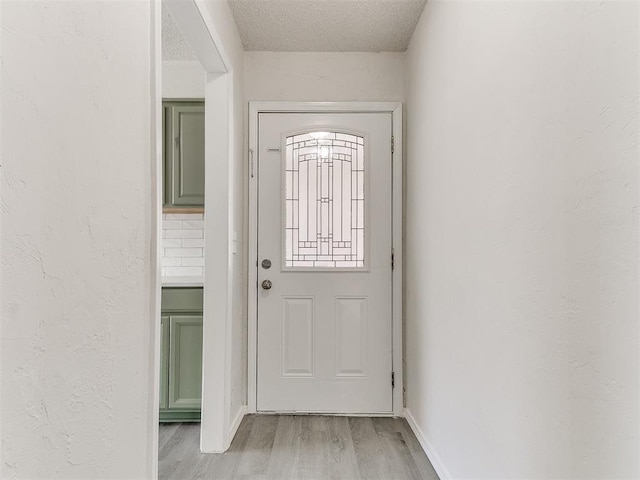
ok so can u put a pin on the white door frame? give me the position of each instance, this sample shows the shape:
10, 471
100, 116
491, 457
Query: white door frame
395, 108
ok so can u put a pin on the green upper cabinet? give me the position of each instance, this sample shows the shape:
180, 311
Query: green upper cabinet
183, 154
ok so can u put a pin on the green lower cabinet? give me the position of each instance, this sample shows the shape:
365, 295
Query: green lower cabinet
181, 355
185, 366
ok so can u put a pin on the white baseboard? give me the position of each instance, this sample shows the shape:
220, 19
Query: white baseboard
433, 457
242, 411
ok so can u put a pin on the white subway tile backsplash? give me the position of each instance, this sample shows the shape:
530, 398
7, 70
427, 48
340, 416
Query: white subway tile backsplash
193, 262
190, 224
183, 252
171, 262
171, 242
183, 271
172, 224
193, 242
185, 233
182, 245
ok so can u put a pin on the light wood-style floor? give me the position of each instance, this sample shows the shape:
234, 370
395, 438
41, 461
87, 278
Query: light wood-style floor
278, 447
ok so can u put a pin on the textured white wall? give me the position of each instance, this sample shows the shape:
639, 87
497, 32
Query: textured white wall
76, 229
328, 77
522, 243
182, 79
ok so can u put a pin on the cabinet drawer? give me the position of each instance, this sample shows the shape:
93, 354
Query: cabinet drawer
182, 299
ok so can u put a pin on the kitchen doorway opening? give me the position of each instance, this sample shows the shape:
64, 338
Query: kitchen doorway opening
195, 24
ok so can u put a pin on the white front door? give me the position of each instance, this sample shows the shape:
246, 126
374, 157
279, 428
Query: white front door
324, 262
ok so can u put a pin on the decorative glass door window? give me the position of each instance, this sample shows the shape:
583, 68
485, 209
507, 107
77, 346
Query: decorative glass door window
325, 202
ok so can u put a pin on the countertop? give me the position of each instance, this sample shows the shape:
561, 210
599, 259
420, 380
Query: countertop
182, 281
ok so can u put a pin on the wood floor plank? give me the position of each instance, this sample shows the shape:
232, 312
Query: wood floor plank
190, 465
421, 459
341, 455
370, 452
255, 461
402, 462
310, 463
166, 431
226, 464
286, 448
182, 444
175, 439
201, 467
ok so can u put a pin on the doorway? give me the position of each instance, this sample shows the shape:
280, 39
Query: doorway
325, 233
195, 22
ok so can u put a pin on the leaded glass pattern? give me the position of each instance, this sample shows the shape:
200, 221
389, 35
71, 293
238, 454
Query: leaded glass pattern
325, 200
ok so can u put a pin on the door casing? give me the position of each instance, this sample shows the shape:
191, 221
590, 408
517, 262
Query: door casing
395, 108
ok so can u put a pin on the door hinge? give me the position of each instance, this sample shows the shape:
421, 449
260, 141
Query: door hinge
393, 144
251, 162
393, 260
393, 379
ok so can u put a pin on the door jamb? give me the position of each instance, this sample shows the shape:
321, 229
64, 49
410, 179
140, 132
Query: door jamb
395, 108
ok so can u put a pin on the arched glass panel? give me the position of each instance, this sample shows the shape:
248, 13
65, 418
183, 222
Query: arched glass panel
325, 200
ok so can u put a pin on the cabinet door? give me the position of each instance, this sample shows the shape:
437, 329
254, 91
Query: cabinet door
185, 366
164, 362
184, 155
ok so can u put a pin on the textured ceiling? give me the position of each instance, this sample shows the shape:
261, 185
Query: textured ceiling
174, 45
326, 25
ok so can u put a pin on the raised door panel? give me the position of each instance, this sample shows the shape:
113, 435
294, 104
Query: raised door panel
185, 366
351, 336
297, 337
164, 362
184, 155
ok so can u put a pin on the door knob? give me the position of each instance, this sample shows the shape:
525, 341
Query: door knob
266, 284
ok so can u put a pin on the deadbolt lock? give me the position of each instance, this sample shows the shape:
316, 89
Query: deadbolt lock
266, 263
